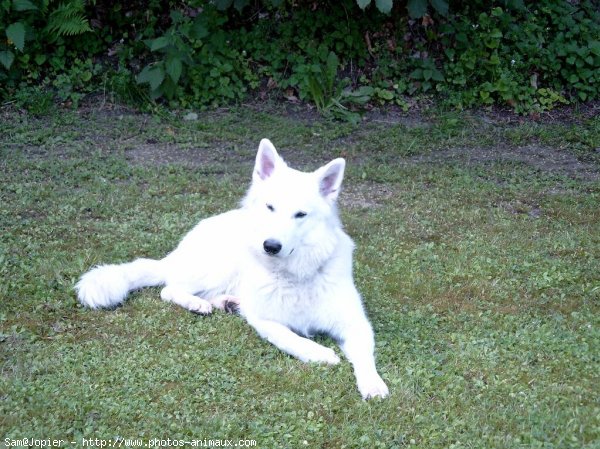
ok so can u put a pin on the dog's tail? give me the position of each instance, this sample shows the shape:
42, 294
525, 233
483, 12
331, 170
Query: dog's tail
107, 286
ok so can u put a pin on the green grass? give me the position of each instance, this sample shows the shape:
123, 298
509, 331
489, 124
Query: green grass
480, 277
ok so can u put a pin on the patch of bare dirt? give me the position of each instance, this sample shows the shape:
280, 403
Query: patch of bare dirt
365, 195
160, 154
420, 114
216, 156
546, 159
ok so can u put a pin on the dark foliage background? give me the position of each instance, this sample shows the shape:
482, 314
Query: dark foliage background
342, 56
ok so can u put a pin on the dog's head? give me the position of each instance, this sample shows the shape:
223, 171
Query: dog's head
295, 211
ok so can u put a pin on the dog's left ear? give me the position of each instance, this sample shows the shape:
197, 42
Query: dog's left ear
330, 178
266, 159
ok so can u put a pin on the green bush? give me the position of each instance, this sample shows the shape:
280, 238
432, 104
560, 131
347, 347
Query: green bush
529, 58
296, 49
36, 34
528, 55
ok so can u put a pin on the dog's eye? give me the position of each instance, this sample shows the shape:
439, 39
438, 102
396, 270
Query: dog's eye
300, 214
270, 207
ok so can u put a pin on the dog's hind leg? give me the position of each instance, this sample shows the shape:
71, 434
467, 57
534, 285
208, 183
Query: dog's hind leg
185, 299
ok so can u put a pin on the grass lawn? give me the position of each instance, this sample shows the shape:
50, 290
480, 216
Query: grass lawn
478, 258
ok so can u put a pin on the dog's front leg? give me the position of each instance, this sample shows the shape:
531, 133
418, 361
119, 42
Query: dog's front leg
358, 346
293, 344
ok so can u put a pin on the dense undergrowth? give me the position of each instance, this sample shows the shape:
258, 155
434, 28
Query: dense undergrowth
529, 56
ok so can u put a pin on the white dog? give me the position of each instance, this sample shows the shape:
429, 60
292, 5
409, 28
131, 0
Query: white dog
282, 258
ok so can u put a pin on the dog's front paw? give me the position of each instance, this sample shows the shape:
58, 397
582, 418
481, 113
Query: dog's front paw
373, 387
199, 306
322, 354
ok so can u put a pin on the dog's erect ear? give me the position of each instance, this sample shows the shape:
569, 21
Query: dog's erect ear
266, 159
330, 178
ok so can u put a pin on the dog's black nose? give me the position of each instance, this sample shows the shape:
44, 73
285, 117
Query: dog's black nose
272, 246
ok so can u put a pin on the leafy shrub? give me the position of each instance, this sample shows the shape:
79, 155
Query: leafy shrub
296, 48
332, 96
176, 48
25, 21
36, 51
530, 58
416, 8
222, 73
529, 55
197, 66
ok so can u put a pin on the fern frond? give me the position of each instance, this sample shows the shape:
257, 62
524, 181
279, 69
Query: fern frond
69, 8
68, 19
71, 27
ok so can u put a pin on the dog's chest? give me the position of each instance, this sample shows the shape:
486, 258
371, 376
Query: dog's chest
297, 304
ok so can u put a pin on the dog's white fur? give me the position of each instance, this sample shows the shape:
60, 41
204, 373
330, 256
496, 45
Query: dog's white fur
283, 257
